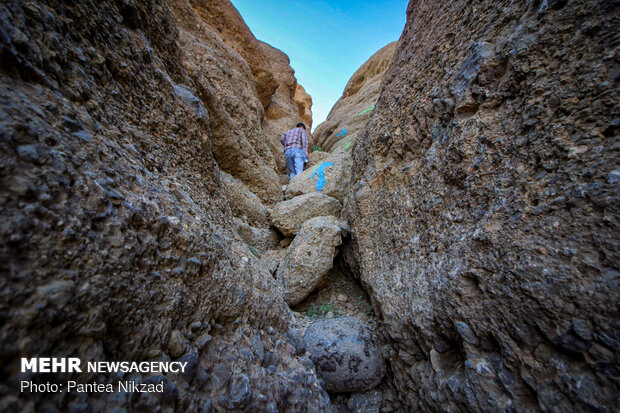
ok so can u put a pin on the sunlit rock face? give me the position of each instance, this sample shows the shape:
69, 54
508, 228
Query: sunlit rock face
247, 86
484, 206
354, 107
118, 241
304, 105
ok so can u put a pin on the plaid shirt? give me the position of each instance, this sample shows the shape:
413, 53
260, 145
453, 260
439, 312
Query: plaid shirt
295, 138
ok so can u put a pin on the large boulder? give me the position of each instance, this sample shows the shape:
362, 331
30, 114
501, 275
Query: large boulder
288, 216
309, 257
344, 354
336, 169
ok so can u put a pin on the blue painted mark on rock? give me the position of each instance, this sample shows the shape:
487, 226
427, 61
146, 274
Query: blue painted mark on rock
320, 173
342, 133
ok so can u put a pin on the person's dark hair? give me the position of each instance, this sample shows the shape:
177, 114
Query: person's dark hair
300, 125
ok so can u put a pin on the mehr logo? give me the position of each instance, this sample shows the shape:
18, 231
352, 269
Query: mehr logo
51, 365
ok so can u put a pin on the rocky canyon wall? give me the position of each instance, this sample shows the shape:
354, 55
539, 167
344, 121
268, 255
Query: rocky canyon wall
117, 236
484, 206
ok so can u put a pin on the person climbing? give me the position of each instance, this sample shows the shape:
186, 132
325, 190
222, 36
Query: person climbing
295, 142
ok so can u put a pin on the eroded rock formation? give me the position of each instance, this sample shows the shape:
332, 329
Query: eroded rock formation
117, 240
139, 165
484, 207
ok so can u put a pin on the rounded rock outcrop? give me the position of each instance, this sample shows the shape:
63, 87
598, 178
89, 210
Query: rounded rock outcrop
345, 354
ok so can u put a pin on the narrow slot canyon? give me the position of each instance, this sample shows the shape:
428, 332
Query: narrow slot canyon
451, 245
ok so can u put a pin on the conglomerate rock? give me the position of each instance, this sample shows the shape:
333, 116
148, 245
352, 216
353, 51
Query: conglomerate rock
225, 21
259, 239
244, 204
117, 241
484, 207
352, 110
224, 81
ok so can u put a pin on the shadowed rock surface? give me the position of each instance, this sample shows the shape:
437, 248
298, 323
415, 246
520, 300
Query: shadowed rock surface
117, 240
484, 207
140, 162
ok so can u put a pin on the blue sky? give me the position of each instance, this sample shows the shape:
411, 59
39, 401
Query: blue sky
327, 41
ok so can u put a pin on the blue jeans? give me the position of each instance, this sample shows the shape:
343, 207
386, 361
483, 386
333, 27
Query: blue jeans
295, 161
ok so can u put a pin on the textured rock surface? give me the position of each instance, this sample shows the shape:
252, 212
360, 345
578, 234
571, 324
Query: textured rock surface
226, 22
244, 204
361, 92
316, 157
226, 84
288, 216
309, 257
484, 207
336, 176
117, 241
369, 402
345, 354
304, 105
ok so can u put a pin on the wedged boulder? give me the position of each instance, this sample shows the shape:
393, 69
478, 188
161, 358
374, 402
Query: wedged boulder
288, 216
261, 239
309, 258
336, 172
244, 204
344, 354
